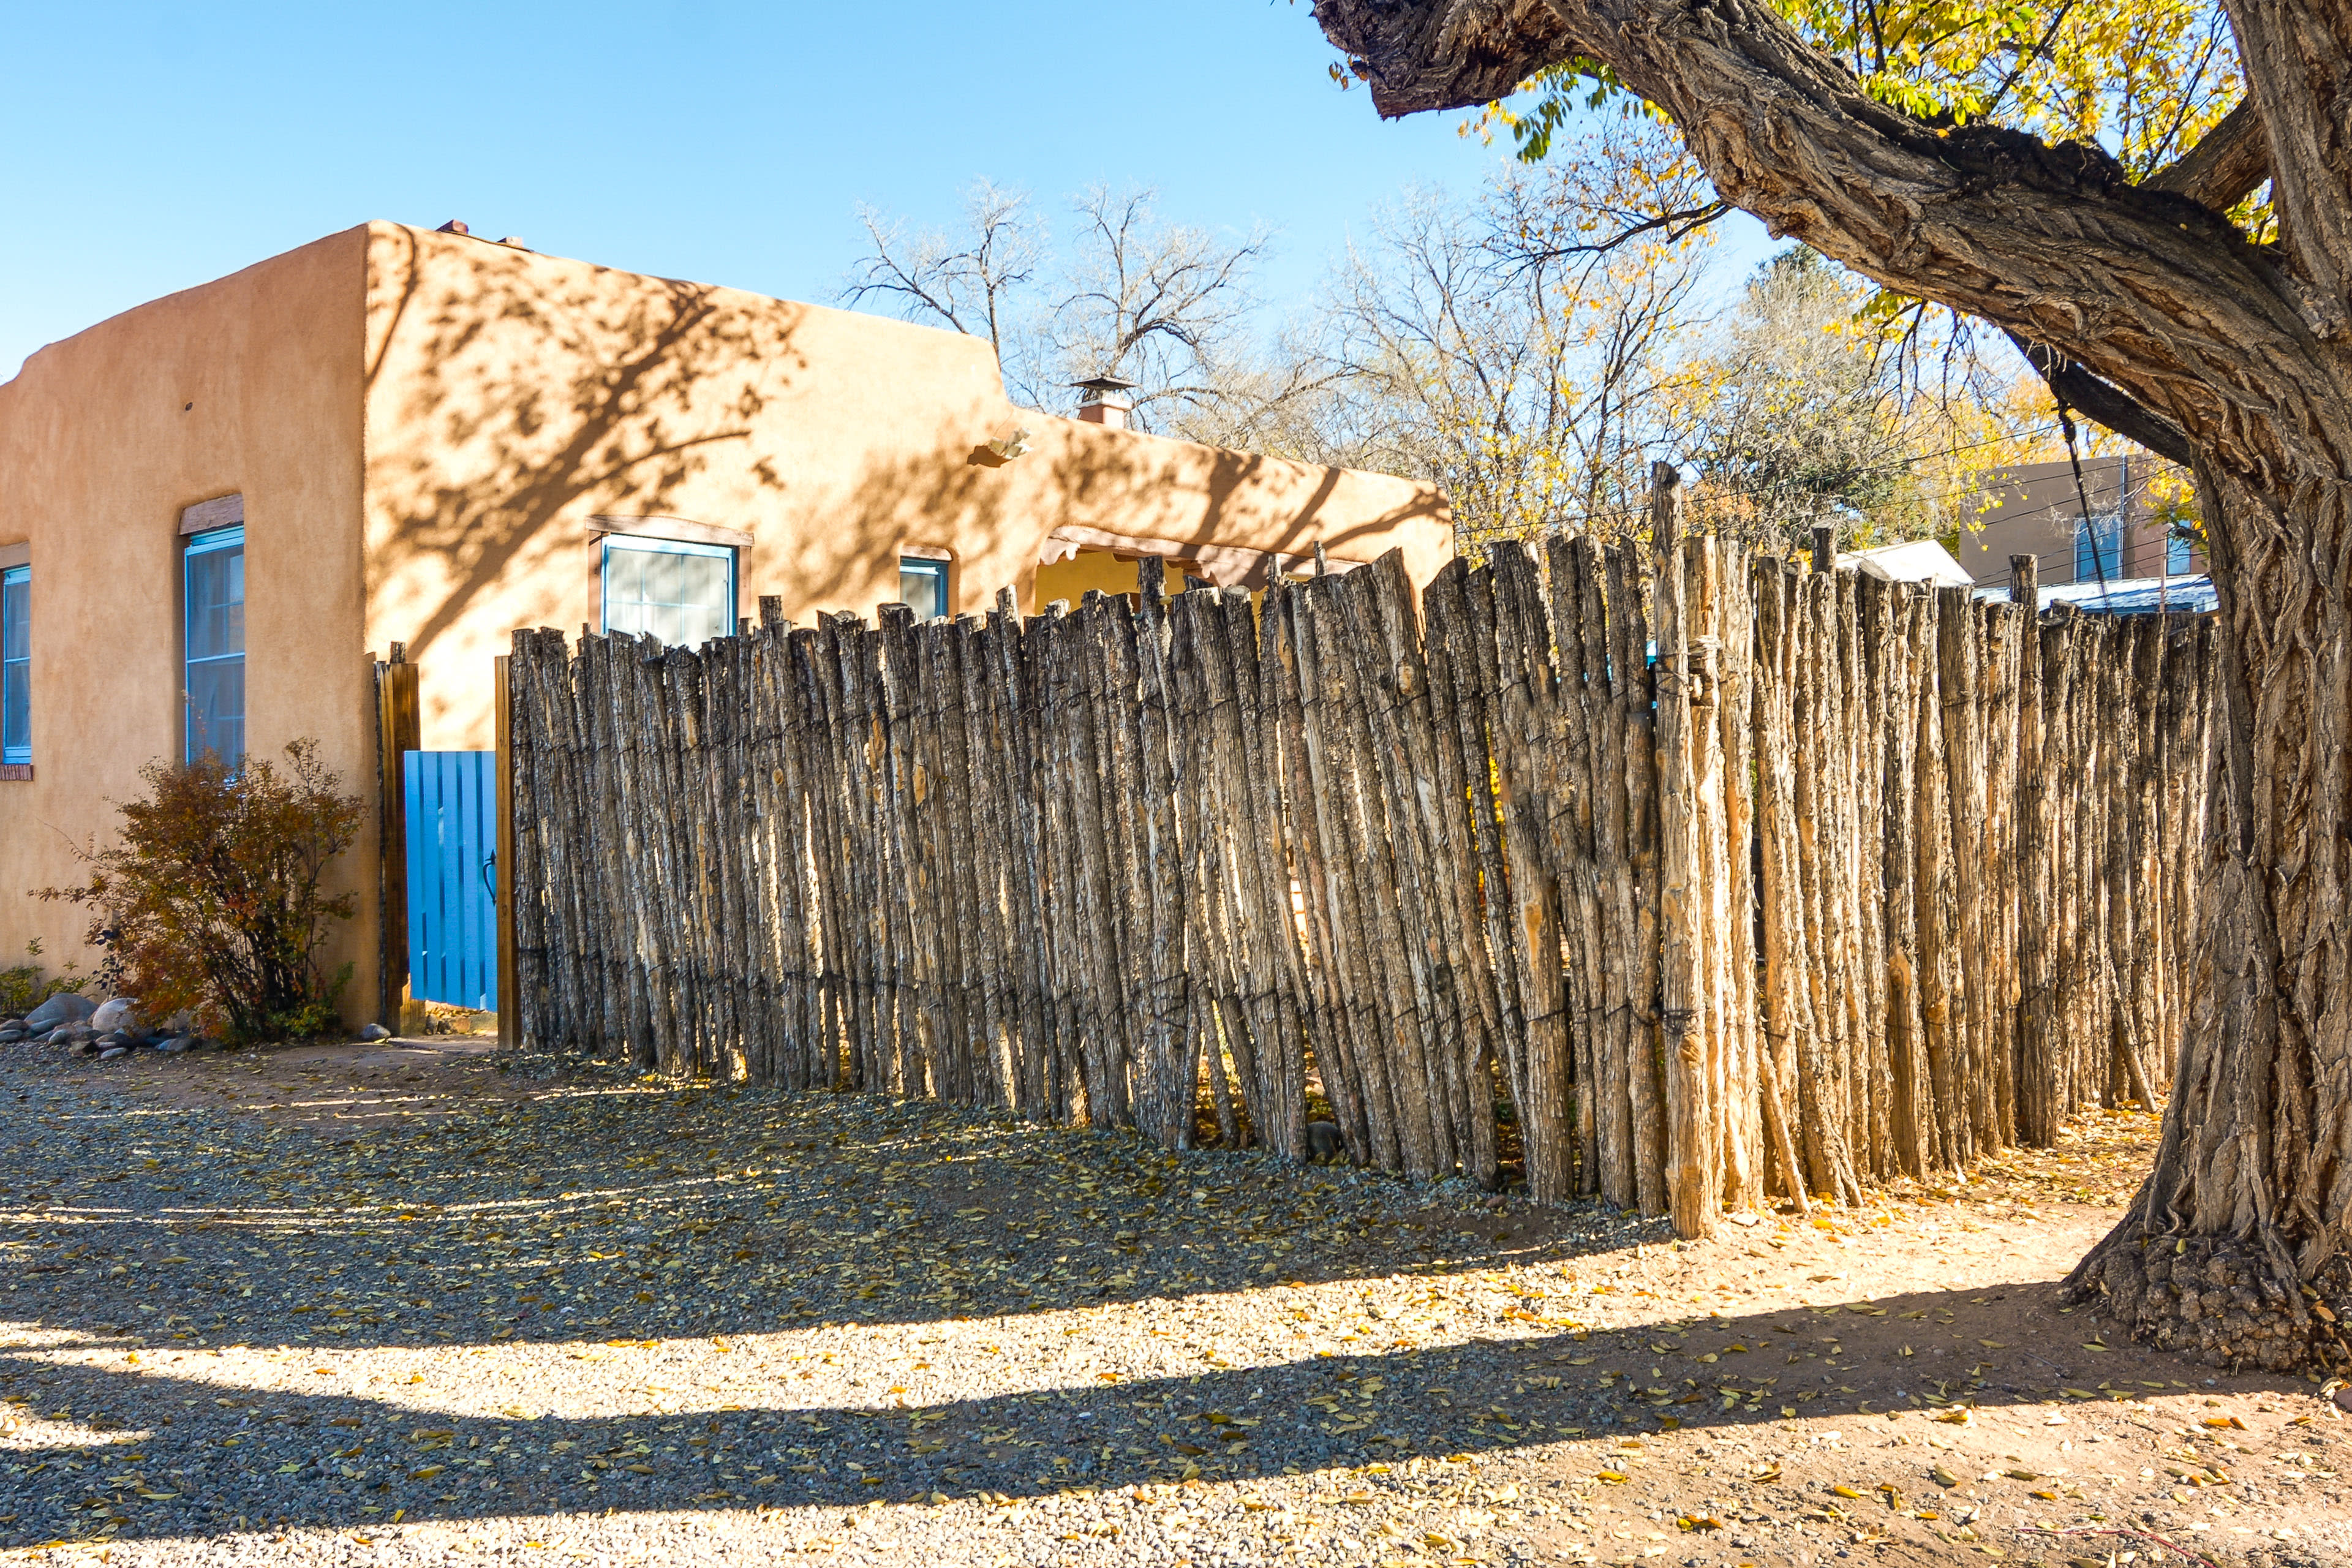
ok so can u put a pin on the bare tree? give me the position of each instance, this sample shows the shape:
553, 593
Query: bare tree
974, 281
1161, 305
1525, 351
1167, 307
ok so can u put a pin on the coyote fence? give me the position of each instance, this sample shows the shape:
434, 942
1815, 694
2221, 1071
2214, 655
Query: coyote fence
1688, 877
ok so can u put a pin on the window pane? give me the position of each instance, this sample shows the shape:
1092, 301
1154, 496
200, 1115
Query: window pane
16, 712
662, 579
923, 587
682, 593
15, 666
705, 596
216, 709
16, 601
216, 603
216, 657
2098, 549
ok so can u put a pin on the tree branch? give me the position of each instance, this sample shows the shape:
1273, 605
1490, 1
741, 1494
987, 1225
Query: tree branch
2299, 76
2149, 291
1679, 225
2086, 393
2224, 168
1418, 55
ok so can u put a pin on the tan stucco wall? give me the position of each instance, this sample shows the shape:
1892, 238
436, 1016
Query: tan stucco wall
99, 450
513, 396
422, 426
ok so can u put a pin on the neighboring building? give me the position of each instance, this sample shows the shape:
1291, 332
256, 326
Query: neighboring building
1915, 561
2037, 510
2182, 593
223, 506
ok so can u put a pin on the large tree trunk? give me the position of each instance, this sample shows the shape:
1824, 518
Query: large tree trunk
2235, 1247
2147, 309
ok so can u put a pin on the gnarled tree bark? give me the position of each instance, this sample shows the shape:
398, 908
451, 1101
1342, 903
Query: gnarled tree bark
2150, 311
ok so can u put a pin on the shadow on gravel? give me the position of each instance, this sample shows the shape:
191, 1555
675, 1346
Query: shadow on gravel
636, 1213
808, 1209
364, 1459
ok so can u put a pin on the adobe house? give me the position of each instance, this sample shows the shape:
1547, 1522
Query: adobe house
225, 505
2036, 509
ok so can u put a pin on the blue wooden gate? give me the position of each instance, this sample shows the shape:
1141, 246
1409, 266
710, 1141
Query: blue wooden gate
453, 928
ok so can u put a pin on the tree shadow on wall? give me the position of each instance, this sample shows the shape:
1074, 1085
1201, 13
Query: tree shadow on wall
1143, 489
1146, 487
509, 396
513, 391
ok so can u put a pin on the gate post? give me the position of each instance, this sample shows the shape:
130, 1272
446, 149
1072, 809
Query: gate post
509, 983
399, 729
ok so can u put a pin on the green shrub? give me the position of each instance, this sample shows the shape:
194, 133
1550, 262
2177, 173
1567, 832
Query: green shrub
25, 987
211, 903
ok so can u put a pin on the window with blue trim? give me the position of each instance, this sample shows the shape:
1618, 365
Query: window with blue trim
923, 586
215, 589
2099, 549
16, 664
682, 593
2178, 554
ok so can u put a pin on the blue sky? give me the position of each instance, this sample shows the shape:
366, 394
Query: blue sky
150, 148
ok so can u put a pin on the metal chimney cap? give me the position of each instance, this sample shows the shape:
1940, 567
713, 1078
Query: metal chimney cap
1104, 385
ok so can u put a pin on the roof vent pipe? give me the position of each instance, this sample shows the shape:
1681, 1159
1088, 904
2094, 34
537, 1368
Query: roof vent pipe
1104, 401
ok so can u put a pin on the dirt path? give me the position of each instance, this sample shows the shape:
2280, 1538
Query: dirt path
394, 1302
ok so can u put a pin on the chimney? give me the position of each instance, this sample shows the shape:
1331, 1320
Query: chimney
1104, 401
455, 225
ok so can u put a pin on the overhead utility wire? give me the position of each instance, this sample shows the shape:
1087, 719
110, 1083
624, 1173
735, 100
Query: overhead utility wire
1882, 468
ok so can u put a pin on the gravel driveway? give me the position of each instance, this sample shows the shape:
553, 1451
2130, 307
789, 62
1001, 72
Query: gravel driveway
391, 1304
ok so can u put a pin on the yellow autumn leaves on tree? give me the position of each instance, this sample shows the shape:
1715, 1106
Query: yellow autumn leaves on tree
2143, 79
1807, 405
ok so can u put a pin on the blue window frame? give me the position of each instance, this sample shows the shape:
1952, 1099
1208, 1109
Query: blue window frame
923, 586
2178, 555
16, 664
2098, 549
216, 644
683, 594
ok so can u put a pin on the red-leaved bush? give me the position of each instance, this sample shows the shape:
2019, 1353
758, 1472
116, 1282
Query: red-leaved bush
211, 902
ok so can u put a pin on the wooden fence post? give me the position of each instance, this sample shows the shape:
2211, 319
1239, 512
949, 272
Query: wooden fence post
509, 983
1048, 866
1691, 1167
